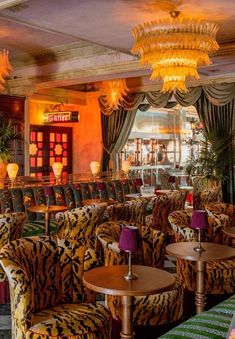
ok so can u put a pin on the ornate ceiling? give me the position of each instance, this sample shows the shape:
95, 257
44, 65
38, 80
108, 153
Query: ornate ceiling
77, 44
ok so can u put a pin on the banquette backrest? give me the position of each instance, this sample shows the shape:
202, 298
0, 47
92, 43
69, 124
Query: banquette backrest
71, 195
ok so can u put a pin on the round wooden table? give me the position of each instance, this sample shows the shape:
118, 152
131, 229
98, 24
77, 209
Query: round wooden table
213, 252
47, 210
99, 202
110, 280
140, 196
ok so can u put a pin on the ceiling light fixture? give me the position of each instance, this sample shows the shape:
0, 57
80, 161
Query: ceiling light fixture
173, 48
114, 90
5, 68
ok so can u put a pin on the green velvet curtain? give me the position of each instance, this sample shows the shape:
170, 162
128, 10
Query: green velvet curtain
215, 106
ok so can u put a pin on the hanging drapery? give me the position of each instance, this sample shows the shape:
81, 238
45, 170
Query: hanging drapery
215, 106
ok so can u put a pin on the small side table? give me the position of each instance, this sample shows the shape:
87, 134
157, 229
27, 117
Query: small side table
110, 280
213, 252
47, 210
99, 202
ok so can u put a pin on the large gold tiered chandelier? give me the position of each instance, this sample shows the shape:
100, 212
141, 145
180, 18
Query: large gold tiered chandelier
5, 68
173, 48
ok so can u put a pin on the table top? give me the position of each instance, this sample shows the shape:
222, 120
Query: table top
99, 202
164, 192
230, 231
110, 280
213, 251
140, 195
47, 209
186, 188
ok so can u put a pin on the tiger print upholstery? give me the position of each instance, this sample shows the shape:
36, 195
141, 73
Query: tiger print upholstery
48, 299
11, 228
219, 276
221, 208
79, 224
163, 205
204, 191
152, 310
133, 211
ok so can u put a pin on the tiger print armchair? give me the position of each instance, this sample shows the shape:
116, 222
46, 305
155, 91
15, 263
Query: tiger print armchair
163, 205
79, 224
219, 276
48, 299
153, 310
133, 211
218, 208
11, 228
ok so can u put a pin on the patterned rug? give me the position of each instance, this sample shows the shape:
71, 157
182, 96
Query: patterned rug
37, 227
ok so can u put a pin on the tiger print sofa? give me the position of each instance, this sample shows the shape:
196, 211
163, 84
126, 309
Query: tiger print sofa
71, 195
48, 299
158, 309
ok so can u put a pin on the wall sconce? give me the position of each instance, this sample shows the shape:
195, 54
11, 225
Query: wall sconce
95, 168
12, 170
57, 168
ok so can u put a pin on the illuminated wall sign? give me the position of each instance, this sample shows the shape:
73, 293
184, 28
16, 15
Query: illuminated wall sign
66, 116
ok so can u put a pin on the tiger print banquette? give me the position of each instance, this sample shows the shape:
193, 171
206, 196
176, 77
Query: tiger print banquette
70, 195
48, 299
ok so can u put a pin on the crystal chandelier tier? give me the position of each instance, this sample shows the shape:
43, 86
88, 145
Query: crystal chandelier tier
5, 68
173, 48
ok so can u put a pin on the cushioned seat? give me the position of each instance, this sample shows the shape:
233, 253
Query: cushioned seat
48, 299
152, 310
59, 322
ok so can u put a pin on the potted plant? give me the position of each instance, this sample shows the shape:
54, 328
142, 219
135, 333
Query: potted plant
7, 134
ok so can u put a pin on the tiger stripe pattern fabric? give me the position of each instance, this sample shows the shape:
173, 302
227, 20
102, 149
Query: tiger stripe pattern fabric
48, 299
219, 276
150, 310
80, 224
11, 228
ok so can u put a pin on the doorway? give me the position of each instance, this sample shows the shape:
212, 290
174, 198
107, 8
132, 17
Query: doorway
49, 144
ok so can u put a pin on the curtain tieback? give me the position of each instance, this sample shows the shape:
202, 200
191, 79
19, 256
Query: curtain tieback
106, 150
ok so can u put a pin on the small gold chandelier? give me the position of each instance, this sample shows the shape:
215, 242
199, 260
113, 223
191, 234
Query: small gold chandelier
5, 68
174, 48
114, 90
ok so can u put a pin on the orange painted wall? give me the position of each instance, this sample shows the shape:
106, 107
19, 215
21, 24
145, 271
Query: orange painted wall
87, 140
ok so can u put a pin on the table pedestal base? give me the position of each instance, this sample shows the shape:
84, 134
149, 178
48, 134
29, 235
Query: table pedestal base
127, 321
200, 297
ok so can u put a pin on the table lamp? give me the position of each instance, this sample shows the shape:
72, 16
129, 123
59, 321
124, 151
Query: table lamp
126, 166
171, 181
199, 221
12, 170
48, 191
129, 242
57, 168
100, 187
95, 168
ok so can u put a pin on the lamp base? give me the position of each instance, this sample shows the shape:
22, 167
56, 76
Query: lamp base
199, 249
129, 276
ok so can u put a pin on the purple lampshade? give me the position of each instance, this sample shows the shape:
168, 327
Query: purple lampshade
138, 182
48, 190
171, 179
100, 186
199, 219
129, 239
